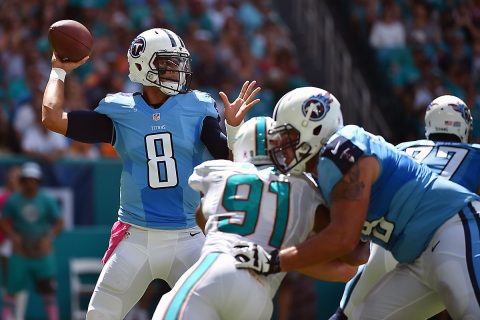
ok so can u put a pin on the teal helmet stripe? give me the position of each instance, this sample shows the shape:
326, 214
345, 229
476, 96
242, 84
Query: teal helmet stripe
261, 137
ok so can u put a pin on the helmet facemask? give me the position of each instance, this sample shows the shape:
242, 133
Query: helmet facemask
305, 119
288, 153
170, 72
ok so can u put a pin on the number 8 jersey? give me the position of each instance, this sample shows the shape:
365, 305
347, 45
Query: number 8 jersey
455, 161
257, 203
159, 149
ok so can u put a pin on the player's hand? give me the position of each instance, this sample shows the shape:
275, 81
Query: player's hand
68, 65
235, 111
251, 256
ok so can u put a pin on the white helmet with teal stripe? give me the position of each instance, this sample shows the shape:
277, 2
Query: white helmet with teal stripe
251, 141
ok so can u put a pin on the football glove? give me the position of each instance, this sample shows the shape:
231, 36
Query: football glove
251, 256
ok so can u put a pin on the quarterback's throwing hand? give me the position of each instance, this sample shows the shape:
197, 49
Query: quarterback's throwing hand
249, 255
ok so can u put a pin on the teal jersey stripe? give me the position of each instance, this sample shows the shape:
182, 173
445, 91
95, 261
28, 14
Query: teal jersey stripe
180, 298
261, 134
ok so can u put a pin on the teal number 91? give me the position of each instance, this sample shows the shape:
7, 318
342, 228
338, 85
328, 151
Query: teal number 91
250, 205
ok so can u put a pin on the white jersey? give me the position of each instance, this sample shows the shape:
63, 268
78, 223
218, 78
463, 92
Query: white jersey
254, 203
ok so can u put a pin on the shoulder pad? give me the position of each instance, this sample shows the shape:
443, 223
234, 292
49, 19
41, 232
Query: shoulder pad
203, 96
214, 165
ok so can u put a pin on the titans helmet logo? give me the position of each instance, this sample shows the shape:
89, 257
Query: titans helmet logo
460, 107
317, 106
137, 47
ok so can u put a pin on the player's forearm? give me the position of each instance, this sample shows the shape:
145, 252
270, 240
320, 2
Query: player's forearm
53, 116
358, 256
321, 248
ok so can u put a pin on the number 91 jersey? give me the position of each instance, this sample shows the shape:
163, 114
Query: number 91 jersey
256, 203
456, 161
159, 149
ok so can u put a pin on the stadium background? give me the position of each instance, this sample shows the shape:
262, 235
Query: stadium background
384, 60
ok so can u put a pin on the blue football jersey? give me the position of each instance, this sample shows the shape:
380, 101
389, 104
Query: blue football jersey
456, 161
159, 149
408, 201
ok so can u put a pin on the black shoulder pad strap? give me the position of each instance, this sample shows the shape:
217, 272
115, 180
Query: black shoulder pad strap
343, 153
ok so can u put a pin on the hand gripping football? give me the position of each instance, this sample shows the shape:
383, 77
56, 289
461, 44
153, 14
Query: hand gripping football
70, 40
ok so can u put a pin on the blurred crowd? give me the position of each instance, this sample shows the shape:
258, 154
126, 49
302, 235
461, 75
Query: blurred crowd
230, 41
427, 47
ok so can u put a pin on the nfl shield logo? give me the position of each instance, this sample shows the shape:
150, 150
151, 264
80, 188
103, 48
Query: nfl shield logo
156, 116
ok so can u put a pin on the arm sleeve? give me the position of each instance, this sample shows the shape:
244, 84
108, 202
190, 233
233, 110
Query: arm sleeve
90, 127
213, 138
337, 157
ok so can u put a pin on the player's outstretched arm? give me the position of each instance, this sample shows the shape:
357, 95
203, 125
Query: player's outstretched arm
251, 256
356, 257
350, 199
53, 116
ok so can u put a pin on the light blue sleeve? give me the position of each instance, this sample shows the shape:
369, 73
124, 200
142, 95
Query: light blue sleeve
206, 102
115, 106
329, 176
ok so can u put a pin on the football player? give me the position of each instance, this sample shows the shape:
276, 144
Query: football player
245, 199
448, 127
376, 192
160, 134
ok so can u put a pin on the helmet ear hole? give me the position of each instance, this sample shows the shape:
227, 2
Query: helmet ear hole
138, 66
317, 130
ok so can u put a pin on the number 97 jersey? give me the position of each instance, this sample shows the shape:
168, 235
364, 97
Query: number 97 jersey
456, 161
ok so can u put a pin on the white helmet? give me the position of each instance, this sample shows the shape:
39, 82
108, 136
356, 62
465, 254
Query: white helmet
251, 141
305, 118
448, 115
153, 54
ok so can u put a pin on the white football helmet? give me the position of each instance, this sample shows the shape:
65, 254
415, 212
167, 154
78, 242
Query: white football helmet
448, 115
305, 118
158, 57
251, 141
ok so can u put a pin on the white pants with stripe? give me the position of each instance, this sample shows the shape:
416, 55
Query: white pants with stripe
142, 256
214, 289
379, 263
446, 275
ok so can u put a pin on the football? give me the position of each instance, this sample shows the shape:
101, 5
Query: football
70, 40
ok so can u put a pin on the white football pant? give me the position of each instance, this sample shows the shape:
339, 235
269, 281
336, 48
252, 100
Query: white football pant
142, 256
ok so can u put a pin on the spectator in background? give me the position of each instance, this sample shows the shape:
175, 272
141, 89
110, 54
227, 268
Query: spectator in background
9, 142
389, 31
42, 144
31, 220
12, 184
79, 150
